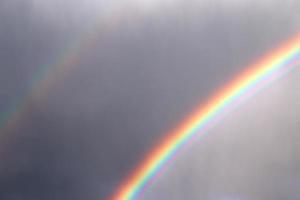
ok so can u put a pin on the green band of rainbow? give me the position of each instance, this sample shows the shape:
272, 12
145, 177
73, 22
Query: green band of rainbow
281, 59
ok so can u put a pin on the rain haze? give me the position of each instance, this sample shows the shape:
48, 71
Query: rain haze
87, 88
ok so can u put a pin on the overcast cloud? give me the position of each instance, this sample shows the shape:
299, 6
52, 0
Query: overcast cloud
148, 65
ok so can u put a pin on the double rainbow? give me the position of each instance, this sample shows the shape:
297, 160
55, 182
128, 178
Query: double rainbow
270, 67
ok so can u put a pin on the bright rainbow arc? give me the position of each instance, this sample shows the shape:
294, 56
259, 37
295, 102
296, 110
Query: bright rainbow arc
270, 67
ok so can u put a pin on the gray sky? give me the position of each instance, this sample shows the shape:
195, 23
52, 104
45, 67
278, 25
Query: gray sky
150, 63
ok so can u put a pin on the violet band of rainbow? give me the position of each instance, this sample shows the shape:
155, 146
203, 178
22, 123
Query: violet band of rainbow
278, 61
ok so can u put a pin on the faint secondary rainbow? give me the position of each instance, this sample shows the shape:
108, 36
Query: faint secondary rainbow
68, 57
270, 67
112, 16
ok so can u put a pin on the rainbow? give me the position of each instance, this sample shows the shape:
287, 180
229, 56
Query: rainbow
269, 68
65, 62
53, 73
265, 70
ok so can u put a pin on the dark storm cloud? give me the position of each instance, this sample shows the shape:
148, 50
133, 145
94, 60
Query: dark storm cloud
135, 84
